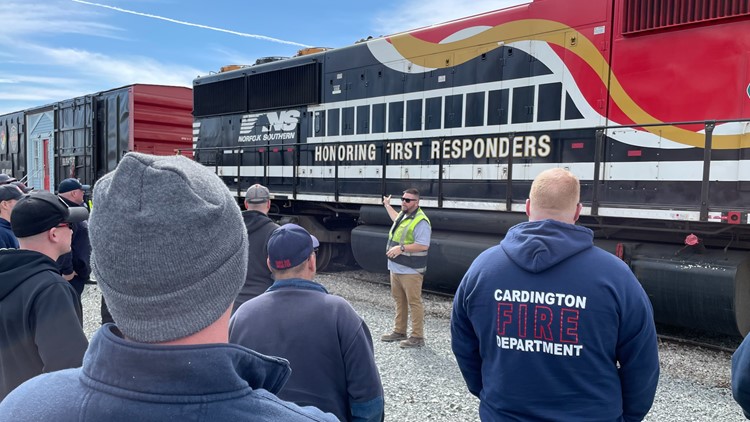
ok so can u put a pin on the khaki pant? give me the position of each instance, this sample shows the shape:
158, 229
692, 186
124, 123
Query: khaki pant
407, 292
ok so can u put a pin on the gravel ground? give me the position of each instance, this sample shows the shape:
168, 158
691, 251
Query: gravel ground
425, 384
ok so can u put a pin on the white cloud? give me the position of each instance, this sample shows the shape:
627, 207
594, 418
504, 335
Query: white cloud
412, 14
38, 19
85, 72
121, 70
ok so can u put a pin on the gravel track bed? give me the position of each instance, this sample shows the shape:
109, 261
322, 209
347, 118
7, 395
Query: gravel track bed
425, 384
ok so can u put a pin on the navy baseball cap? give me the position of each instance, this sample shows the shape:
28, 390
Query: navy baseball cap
5, 179
71, 184
10, 192
289, 246
40, 211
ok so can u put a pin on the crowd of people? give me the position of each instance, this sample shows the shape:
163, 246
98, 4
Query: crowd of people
223, 319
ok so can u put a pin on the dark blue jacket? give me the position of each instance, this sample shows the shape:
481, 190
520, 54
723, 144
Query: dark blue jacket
540, 322
123, 380
78, 259
328, 346
7, 238
741, 376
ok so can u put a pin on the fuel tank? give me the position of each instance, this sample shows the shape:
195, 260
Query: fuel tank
706, 289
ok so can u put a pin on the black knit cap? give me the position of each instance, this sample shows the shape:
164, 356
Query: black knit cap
41, 211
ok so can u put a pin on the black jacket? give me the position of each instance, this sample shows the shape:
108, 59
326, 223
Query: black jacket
40, 316
78, 259
259, 278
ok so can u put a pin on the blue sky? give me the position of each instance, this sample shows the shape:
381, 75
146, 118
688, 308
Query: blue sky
52, 50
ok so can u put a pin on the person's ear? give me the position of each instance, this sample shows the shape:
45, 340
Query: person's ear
312, 263
268, 262
528, 207
579, 207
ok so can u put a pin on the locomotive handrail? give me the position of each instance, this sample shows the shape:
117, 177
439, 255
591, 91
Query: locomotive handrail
598, 161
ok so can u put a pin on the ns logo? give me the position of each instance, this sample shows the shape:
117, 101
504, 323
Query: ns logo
282, 121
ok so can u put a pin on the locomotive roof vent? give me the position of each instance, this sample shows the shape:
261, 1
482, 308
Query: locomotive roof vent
269, 59
231, 67
311, 50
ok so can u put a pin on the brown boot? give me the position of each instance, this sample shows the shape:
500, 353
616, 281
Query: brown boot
412, 342
394, 336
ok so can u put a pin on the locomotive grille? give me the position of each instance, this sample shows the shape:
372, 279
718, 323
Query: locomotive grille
646, 15
222, 97
284, 88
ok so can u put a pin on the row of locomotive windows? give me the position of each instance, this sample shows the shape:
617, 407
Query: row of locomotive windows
497, 107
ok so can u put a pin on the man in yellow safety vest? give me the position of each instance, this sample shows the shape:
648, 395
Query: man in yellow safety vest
408, 242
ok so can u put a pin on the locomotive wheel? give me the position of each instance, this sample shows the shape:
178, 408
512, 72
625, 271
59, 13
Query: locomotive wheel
323, 258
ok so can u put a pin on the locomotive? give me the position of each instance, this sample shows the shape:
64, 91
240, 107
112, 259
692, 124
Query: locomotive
648, 103
85, 137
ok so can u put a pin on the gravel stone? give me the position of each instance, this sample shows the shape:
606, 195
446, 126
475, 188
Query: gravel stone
425, 384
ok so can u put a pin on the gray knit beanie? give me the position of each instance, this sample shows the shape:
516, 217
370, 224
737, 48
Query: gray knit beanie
169, 247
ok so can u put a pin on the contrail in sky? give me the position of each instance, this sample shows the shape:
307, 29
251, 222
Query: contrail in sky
242, 34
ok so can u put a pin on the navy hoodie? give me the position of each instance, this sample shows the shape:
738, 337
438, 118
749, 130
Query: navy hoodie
40, 318
741, 376
541, 322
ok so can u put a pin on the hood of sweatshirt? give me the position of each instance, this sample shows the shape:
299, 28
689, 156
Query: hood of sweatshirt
17, 265
538, 245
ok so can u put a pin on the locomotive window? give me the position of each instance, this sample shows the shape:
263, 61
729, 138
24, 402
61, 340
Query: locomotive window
414, 115
396, 117
320, 120
333, 122
571, 111
454, 106
550, 102
474, 109
434, 108
523, 104
497, 107
347, 120
378, 118
363, 119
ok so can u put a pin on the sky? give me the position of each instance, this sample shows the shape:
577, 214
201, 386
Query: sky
53, 50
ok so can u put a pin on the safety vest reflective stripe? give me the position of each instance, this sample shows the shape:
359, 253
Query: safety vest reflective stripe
403, 234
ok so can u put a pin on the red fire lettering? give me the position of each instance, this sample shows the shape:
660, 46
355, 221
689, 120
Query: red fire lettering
504, 316
569, 325
543, 323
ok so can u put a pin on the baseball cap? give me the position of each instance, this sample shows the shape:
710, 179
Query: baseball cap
5, 179
40, 211
71, 184
22, 186
257, 194
289, 246
10, 192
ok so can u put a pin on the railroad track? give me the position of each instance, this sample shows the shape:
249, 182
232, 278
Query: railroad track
696, 343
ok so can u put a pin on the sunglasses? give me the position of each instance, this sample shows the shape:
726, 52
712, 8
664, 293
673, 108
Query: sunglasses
407, 200
315, 251
68, 225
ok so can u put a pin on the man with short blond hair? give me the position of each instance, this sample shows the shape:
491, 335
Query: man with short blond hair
546, 326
